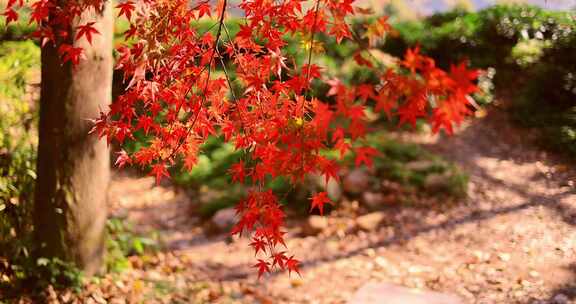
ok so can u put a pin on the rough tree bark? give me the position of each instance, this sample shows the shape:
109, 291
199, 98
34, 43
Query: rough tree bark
73, 166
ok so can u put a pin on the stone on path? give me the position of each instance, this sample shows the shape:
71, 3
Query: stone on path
332, 187
225, 218
357, 181
315, 225
370, 221
373, 200
385, 293
437, 181
420, 165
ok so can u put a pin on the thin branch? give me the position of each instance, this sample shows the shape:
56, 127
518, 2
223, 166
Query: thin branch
364, 47
214, 50
312, 34
227, 77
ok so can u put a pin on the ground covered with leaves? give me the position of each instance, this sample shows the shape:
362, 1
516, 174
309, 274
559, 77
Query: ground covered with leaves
511, 240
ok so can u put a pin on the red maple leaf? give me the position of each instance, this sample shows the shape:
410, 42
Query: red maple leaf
292, 265
159, 171
279, 259
340, 30
126, 9
319, 200
11, 15
40, 11
258, 244
70, 53
362, 61
464, 78
364, 155
99, 125
145, 122
238, 172
204, 9
262, 266
365, 91
87, 30
412, 59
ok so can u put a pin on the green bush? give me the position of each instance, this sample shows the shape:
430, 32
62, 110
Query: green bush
17, 30
486, 37
394, 163
526, 46
122, 242
528, 52
19, 72
19, 64
413, 167
548, 100
212, 167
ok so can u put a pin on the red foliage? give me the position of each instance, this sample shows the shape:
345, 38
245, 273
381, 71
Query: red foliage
319, 200
173, 95
87, 30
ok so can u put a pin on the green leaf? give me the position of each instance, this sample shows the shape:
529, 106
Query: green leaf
138, 246
42, 261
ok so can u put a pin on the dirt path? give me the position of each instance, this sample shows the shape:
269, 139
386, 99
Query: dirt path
512, 241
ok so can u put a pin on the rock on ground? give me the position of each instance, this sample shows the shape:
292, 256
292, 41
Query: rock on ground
357, 181
384, 293
225, 218
370, 221
315, 225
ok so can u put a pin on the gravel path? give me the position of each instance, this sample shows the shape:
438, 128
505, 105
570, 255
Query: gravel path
513, 240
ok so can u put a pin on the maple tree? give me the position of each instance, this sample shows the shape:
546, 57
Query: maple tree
174, 96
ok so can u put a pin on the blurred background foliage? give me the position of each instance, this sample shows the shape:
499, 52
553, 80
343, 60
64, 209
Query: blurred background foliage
19, 73
528, 50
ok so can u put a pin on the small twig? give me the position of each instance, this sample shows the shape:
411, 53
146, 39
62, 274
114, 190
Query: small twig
312, 34
214, 50
227, 77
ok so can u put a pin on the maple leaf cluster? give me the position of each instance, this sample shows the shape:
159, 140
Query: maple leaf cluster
175, 98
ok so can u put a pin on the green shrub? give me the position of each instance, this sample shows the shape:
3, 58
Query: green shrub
17, 30
414, 168
548, 99
122, 242
26, 274
486, 87
19, 72
528, 52
215, 191
31, 276
212, 167
19, 64
526, 46
486, 37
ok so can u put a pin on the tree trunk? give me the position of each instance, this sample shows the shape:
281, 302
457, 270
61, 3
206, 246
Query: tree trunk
73, 166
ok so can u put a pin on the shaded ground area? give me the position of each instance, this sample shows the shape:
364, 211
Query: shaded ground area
513, 240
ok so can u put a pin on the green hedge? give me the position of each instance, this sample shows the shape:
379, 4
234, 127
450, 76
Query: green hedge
19, 65
532, 50
548, 99
486, 37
